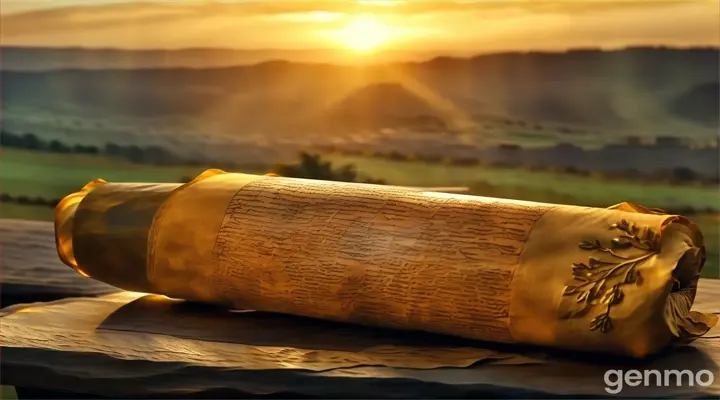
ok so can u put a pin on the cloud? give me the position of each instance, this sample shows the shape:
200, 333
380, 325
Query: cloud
178, 23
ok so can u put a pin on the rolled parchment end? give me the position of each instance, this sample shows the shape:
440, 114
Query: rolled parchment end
102, 232
64, 221
617, 280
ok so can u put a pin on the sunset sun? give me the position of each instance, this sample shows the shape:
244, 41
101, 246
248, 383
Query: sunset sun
364, 34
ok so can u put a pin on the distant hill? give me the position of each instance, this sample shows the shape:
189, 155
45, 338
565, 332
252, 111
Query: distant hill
658, 90
701, 104
45, 59
382, 105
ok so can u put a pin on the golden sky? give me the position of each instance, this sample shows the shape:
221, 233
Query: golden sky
413, 25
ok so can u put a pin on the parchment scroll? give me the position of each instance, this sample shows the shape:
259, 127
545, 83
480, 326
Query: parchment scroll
618, 280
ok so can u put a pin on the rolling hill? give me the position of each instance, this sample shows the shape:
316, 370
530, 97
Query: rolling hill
700, 104
643, 91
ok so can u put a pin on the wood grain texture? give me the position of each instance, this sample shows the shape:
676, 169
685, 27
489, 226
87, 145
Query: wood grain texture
158, 347
31, 269
373, 255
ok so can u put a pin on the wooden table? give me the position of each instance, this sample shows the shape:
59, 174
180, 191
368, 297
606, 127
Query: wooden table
31, 269
133, 345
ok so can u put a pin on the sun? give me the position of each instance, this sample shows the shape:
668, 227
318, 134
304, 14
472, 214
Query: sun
364, 34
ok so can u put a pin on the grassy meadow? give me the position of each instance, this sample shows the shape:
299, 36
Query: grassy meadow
533, 185
52, 176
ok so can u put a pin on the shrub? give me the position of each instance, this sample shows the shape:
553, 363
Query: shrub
57, 146
683, 175
311, 166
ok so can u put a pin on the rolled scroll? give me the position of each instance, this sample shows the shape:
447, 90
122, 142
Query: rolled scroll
619, 280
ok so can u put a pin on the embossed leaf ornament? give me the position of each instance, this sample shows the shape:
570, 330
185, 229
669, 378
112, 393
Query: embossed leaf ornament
600, 280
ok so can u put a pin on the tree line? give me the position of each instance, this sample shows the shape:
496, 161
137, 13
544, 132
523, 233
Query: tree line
312, 166
142, 155
156, 155
676, 176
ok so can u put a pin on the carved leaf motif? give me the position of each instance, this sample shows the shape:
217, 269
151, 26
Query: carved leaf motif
602, 322
583, 296
586, 245
612, 296
581, 272
569, 290
631, 275
592, 293
596, 263
633, 229
620, 267
621, 242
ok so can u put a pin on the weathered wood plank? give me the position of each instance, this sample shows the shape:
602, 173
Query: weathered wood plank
131, 345
154, 346
31, 269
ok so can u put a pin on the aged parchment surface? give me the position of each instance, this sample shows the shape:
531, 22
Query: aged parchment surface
482, 268
370, 254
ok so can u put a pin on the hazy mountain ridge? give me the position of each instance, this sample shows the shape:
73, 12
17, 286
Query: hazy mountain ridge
648, 89
701, 103
15, 58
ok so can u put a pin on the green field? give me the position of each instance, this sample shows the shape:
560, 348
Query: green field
51, 175
21, 211
533, 185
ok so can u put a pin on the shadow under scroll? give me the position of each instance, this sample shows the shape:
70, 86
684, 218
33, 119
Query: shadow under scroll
161, 315
183, 319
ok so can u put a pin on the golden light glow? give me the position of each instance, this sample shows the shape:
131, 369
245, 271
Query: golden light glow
364, 33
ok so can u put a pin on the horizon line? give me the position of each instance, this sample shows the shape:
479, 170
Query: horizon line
381, 52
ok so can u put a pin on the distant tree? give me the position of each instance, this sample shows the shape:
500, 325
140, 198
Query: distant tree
134, 153
31, 142
311, 166
158, 155
683, 175
38, 201
112, 149
9, 139
78, 148
345, 173
465, 161
57, 146
430, 158
570, 170
22, 200
631, 173
377, 154
397, 156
